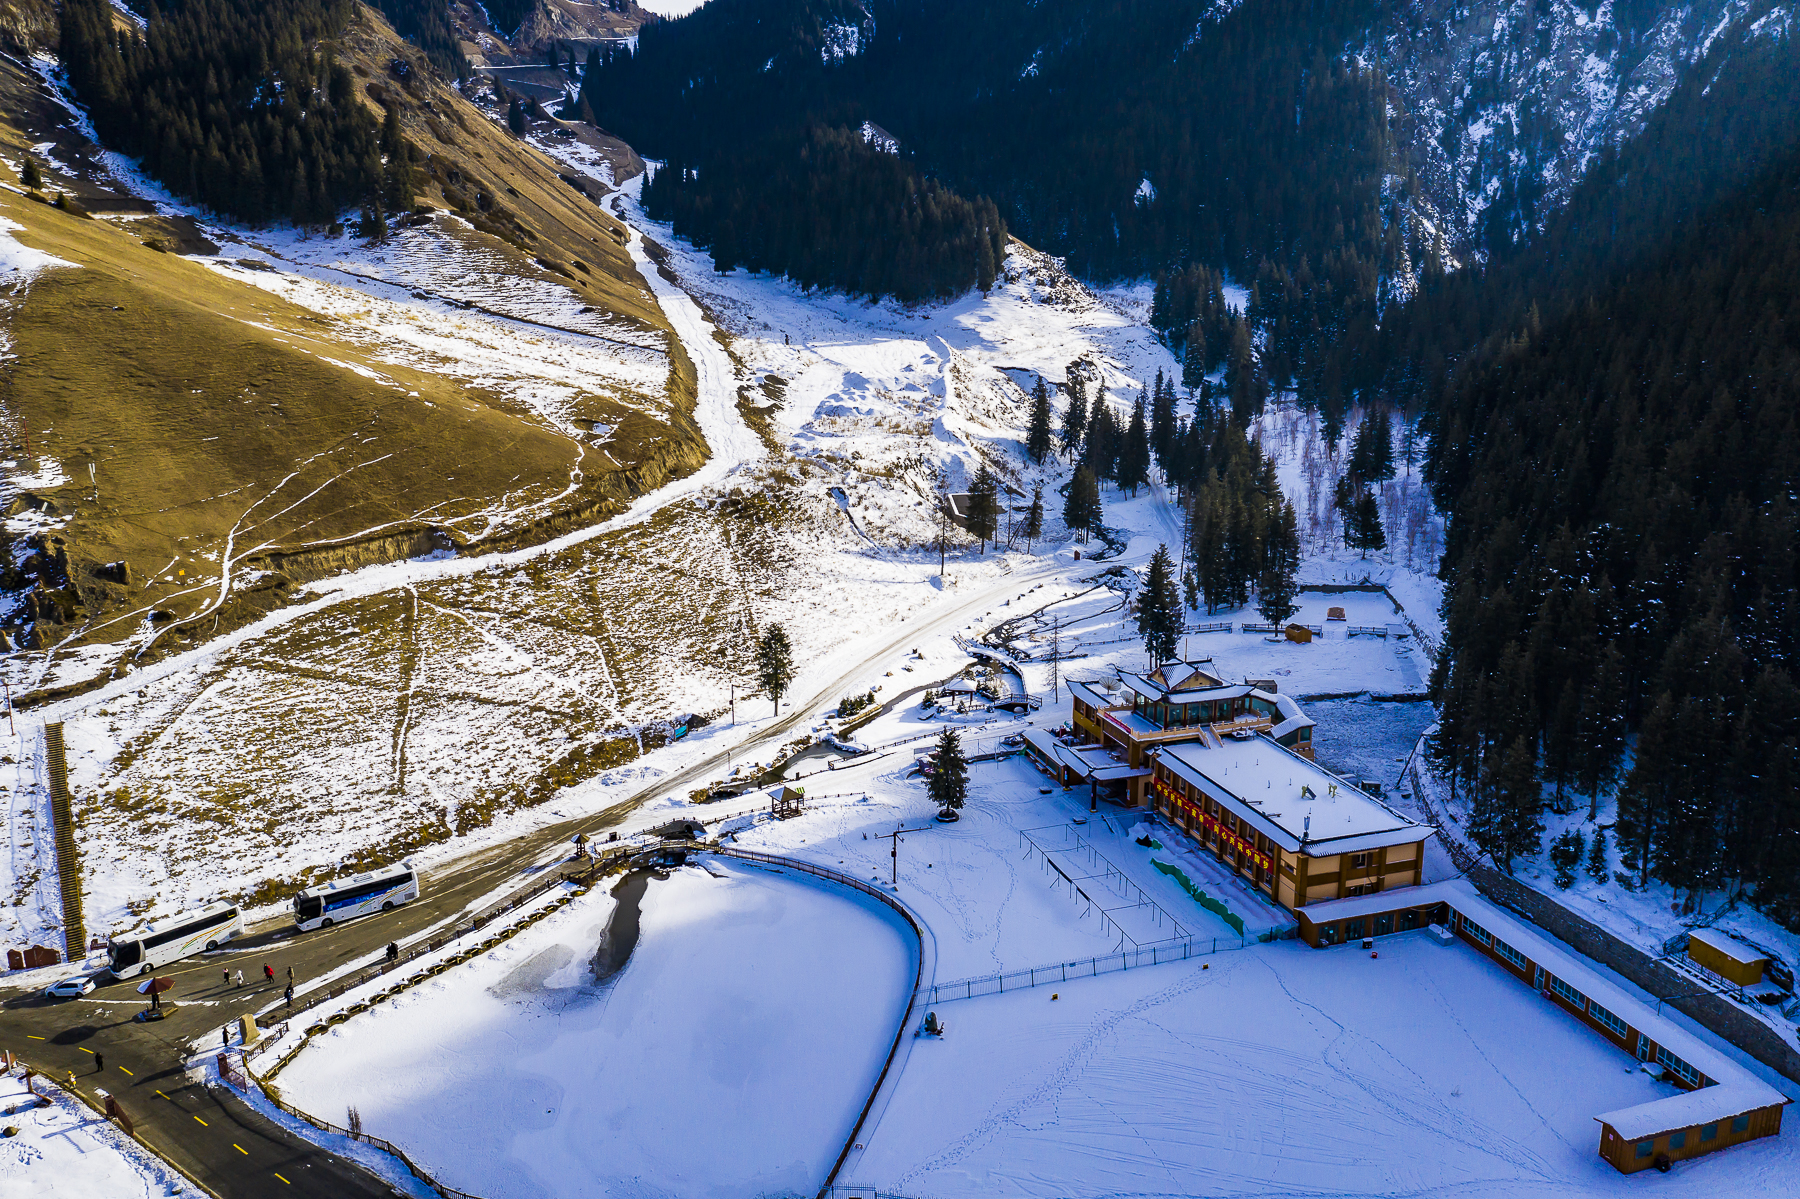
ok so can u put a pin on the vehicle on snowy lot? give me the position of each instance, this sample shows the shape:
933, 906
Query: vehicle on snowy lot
173, 939
73, 987
347, 898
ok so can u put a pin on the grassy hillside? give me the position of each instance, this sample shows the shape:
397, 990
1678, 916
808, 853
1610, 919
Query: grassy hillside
181, 413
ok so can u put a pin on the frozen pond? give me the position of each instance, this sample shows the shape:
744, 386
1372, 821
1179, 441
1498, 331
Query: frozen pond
729, 1057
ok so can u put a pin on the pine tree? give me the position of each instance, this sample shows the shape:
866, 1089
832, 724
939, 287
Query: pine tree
984, 504
1597, 867
515, 118
1277, 588
1134, 451
1033, 527
1081, 510
1193, 359
775, 663
1075, 419
1101, 453
948, 786
1600, 729
1159, 609
1163, 428
1037, 431
1565, 855
30, 177
1506, 818
1369, 533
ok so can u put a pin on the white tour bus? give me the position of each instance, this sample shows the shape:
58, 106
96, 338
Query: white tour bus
348, 898
173, 939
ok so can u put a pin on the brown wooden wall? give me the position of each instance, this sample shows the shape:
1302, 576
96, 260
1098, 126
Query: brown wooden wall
1623, 1154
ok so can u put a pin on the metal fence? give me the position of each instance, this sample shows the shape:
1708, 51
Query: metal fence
1156, 954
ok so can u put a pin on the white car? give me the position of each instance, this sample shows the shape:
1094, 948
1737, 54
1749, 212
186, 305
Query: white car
73, 987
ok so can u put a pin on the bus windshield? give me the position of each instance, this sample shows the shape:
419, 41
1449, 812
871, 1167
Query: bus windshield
124, 953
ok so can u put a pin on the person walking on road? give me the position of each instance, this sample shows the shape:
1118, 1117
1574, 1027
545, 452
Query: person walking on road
290, 974
290, 994
240, 976
393, 951
225, 977
99, 1062
268, 972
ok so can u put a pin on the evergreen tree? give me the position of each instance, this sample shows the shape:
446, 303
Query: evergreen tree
1597, 868
515, 118
1081, 510
1104, 439
1075, 419
1600, 728
1193, 359
1372, 449
775, 663
1565, 855
30, 177
1277, 588
1243, 383
948, 785
1159, 619
1037, 431
1506, 818
1033, 527
984, 504
1134, 452
1163, 429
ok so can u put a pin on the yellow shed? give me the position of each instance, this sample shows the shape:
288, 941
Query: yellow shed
1726, 956
1299, 632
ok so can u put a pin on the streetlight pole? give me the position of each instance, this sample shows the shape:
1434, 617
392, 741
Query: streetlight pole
894, 851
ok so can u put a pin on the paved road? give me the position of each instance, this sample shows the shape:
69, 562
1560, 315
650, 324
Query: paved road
213, 1134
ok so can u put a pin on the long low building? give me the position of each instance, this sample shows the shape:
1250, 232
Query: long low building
1298, 832
1720, 1102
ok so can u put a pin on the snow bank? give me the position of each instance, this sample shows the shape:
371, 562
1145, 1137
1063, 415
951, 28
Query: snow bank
68, 1151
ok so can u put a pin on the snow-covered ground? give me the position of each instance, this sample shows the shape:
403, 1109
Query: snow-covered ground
1278, 1070
69, 1151
728, 1058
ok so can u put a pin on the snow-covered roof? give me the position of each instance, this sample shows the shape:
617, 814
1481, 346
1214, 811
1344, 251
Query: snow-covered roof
1291, 800
1183, 677
1291, 716
1708, 1105
1381, 901
1728, 945
1088, 693
1585, 977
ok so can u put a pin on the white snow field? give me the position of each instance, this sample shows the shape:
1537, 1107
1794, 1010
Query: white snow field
69, 1151
1277, 1071
729, 1058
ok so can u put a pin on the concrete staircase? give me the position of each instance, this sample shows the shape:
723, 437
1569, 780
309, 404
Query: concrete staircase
68, 865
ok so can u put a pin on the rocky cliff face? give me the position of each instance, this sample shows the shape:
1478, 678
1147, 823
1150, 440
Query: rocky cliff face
1509, 101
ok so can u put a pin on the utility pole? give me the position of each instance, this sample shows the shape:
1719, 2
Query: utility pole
941, 519
894, 851
1055, 657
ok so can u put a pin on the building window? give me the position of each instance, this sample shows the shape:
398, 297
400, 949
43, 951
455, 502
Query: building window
1481, 935
1710, 1133
1509, 953
1358, 861
1678, 1140
1384, 924
1569, 994
1677, 1067
1353, 930
1607, 1020
1740, 1124
1646, 1148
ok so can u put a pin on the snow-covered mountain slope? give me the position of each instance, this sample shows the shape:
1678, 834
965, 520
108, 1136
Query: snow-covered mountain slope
1510, 100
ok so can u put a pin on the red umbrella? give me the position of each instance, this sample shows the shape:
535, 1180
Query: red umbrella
150, 986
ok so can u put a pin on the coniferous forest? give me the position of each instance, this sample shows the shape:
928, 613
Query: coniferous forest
833, 212
229, 104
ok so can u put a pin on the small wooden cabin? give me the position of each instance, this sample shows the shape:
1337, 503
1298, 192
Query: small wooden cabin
1727, 957
1298, 633
1665, 1131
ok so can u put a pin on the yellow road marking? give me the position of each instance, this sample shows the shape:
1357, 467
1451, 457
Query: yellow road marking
84, 1049
203, 1123
284, 1180
159, 1092
240, 1149
29, 1036
127, 1071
